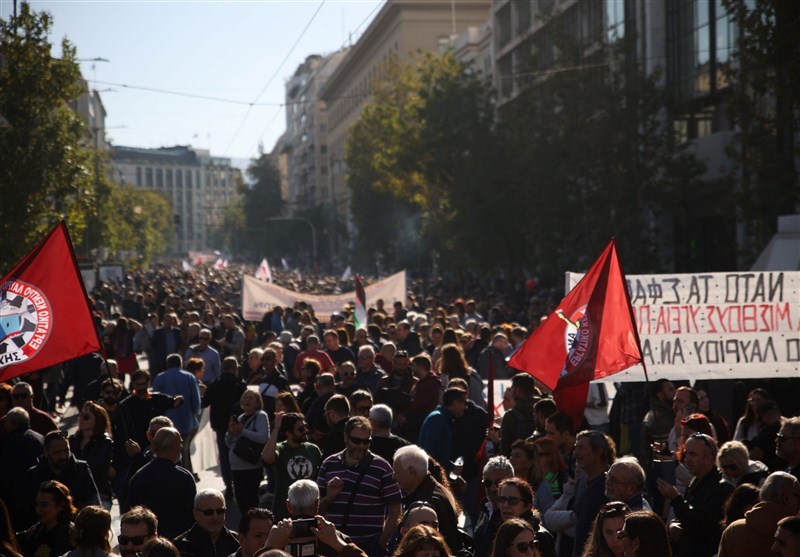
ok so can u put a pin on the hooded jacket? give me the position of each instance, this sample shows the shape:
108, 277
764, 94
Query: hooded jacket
753, 534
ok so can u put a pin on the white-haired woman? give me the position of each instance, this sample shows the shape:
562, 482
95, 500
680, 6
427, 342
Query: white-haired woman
246, 438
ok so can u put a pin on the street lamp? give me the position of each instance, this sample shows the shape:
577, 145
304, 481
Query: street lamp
308, 222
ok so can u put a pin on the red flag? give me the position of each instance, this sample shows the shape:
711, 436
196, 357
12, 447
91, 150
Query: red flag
44, 315
591, 334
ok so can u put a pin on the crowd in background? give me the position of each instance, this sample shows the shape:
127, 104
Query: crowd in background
379, 441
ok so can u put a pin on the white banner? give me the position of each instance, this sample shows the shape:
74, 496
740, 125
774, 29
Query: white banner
259, 297
715, 325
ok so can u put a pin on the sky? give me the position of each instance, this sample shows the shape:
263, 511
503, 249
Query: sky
241, 51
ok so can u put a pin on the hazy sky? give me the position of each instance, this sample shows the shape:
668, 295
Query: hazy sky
227, 49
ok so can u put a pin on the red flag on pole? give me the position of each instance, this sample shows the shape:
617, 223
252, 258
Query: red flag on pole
44, 315
590, 335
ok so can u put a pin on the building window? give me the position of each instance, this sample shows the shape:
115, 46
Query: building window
169, 178
189, 179
504, 26
523, 8
148, 177
139, 176
323, 149
159, 178
615, 19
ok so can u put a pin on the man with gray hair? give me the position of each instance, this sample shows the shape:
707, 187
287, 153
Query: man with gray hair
368, 373
625, 482
208, 536
39, 421
411, 473
753, 534
211, 358
496, 470
384, 442
20, 449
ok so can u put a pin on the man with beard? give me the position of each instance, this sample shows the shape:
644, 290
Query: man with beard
144, 405
56, 463
136, 527
367, 511
208, 536
293, 459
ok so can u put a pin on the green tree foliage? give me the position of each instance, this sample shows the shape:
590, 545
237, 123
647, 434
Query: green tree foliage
579, 157
250, 229
45, 173
765, 82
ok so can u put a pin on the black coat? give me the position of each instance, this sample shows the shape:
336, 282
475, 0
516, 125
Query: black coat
20, 450
223, 395
168, 490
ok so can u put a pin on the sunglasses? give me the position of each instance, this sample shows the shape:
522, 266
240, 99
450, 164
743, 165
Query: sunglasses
135, 540
20, 396
703, 438
363, 409
209, 512
510, 500
614, 507
524, 547
360, 441
267, 358
728, 466
490, 483
205, 338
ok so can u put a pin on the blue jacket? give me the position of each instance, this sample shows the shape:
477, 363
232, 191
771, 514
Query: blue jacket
174, 382
436, 436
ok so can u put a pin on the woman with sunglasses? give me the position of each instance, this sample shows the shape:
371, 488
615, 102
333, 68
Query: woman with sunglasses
644, 535
749, 425
93, 444
733, 460
422, 541
51, 534
603, 540
515, 500
515, 537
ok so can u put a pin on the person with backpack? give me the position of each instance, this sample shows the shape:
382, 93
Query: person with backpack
519, 422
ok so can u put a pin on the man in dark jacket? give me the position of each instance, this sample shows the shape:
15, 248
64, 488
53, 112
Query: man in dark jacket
208, 536
223, 397
164, 487
21, 448
519, 423
411, 472
56, 463
699, 513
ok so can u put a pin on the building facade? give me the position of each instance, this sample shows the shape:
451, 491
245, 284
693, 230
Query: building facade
401, 28
198, 186
305, 141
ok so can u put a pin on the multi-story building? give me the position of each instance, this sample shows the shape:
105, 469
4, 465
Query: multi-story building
690, 43
304, 142
473, 48
198, 185
401, 28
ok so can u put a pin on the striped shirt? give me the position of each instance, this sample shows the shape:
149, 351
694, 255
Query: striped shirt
377, 491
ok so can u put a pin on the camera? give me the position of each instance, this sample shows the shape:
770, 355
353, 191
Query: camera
302, 542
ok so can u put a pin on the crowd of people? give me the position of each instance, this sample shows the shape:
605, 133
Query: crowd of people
378, 441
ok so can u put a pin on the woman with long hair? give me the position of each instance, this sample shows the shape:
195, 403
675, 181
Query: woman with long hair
549, 473
453, 364
603, 540
719, 423
644, 535
93, 443
253, 425
515, 537
749, 425
92, 533
422, 540
54, 512
743, 498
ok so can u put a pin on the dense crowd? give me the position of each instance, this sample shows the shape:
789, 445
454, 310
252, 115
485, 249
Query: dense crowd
378, 441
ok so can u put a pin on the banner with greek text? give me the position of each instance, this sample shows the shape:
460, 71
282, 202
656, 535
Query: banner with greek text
715, 325
259, 297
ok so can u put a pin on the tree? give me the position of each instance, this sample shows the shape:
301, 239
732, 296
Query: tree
765, 103
45, 172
